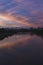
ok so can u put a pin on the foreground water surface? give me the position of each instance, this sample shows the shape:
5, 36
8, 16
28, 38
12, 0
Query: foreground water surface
21, 49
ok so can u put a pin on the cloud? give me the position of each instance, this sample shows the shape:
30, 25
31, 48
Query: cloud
20, 10
17, 20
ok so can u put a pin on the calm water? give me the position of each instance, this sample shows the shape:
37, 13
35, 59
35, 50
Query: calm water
21, 49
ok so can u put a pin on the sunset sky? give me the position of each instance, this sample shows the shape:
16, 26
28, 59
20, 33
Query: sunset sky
21, 13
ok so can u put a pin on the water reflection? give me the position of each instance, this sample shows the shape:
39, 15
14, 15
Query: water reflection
13, 40
6, 35
21, 49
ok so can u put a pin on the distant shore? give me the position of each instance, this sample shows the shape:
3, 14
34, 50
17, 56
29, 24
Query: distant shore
5, 32
21, 30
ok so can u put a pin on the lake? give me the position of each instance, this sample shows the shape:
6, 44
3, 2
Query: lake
21, 49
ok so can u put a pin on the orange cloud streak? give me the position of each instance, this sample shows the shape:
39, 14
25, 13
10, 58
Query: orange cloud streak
18, 19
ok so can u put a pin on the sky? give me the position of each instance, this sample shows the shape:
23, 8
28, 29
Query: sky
21, 13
